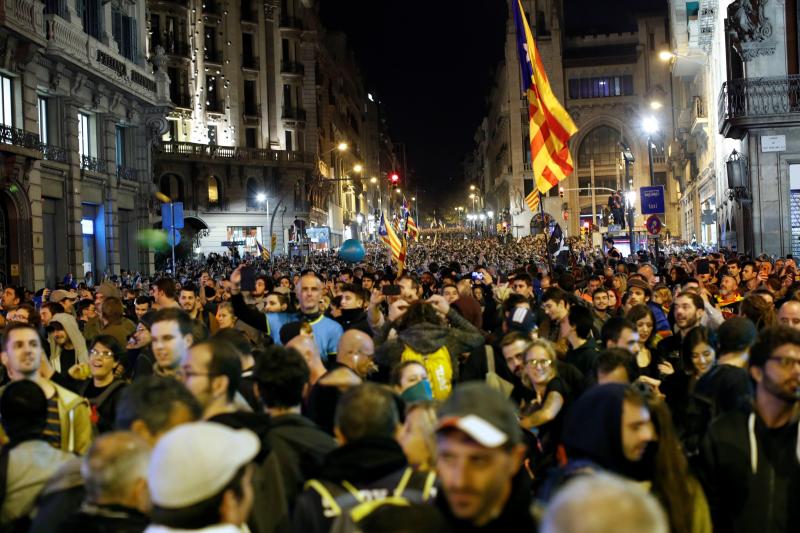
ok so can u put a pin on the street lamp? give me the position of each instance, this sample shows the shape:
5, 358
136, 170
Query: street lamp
472, 187
665, 55
342, 146
373, 180
260, 197
164, 199
630, 196
358, 167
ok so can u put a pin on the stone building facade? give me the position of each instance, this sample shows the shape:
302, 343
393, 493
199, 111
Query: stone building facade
609, 84
81, 107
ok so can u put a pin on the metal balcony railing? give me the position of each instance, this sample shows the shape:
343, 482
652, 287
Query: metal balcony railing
126, 172
18, 137
250, 62
292, 67
54, 153
92, 164
207, 151
293, 113
752, 99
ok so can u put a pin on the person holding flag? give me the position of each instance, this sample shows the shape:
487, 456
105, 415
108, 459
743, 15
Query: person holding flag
396, 243
551, 127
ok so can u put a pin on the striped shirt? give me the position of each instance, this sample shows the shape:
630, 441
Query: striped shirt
52, 431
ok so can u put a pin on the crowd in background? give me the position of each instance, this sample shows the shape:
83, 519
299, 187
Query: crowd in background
480, 389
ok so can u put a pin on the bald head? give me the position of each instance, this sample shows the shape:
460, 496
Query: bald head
307, 347
789, 314
356, 350
115, 470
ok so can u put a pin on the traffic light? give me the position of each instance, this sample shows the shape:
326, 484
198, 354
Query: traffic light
561, 192
394, 178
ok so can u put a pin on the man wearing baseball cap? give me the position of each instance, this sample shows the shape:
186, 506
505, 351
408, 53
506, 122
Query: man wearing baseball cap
200, 479
480, 455
67, 299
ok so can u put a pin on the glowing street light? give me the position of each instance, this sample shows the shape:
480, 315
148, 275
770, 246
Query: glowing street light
472, 187
342, 146
357, 167
650, 124
373, 180
261, 197
665, 55
655, 105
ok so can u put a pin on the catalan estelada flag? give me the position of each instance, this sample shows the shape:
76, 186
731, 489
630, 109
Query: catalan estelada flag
262, 251
550, 125
533, 200
395, 243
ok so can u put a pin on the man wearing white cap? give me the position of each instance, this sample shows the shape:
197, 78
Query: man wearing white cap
200, 479
480, 455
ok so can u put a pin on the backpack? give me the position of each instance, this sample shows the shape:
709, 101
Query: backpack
348, 505
439, 366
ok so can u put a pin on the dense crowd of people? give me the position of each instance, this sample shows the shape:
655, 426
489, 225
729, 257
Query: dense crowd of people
480, 389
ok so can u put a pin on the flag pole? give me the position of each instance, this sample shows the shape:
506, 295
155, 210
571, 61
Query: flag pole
546, 236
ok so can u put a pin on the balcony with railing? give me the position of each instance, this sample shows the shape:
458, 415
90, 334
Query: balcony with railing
250, 62
292, 68
92, 164
213, 57
127, 173
19, 138
750, 102
289, 22
53, 153
186, 150
293, 113
25, 16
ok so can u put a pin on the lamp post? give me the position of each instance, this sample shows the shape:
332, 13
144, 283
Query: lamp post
630, 196
650, 125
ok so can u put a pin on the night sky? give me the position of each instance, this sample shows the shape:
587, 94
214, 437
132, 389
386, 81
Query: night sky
431, 64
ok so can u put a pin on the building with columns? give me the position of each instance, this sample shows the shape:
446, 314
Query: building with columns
609, 83
81, 107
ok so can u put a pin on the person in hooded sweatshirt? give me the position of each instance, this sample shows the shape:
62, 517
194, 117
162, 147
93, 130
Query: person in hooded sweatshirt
353, 314
369, 461
749, 462
67, 344
423, 335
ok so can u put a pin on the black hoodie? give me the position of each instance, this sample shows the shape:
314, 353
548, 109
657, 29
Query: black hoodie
372, 464
593, 431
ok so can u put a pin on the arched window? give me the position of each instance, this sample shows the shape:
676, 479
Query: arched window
172, 186
600, 145
213, 190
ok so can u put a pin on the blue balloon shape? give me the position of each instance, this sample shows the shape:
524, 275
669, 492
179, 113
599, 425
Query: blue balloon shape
352, 251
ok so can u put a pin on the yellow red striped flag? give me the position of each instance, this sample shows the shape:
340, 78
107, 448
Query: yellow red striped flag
395, 243
533, 200
550, 125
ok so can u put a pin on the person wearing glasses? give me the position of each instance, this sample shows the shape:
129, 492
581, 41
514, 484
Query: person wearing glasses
748, 462
543, 416
101, 385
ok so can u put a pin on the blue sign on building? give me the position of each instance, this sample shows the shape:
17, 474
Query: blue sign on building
652, 199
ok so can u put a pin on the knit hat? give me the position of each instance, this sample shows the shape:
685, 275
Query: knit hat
736, 334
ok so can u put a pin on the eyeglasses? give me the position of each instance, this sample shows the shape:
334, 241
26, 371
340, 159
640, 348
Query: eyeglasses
786, 362
539, 363
105, 354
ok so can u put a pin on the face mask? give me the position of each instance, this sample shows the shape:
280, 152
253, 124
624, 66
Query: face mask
417, 393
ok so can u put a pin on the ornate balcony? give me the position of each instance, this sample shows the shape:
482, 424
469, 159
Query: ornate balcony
54, 153
26, 18
19, 138
127, 173
750, 102
92, 164
234, 154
